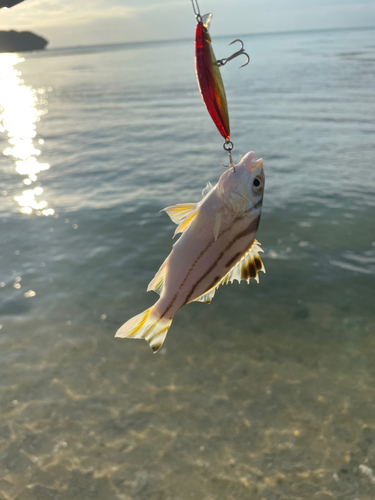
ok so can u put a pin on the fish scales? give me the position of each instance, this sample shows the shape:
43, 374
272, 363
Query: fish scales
217, 246
206, 260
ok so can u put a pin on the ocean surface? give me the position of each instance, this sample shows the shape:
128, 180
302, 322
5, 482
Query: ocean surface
268, 393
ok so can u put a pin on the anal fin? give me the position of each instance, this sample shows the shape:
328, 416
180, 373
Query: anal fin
245, 269
157, 282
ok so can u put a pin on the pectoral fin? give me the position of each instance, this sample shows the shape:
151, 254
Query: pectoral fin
182, 214
245, 269
217, 225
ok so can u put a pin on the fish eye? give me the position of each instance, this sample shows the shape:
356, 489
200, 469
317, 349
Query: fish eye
257, 185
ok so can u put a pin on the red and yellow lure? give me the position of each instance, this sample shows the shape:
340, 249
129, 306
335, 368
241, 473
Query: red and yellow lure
210, 83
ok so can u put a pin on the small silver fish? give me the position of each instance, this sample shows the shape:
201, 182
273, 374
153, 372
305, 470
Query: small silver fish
217, 246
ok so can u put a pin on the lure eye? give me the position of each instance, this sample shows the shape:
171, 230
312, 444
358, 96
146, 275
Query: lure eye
257, 185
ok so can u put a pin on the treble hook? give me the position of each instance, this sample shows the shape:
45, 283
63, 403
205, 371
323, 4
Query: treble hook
228, 147
222, 62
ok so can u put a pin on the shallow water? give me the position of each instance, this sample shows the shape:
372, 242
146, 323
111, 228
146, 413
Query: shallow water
269, 392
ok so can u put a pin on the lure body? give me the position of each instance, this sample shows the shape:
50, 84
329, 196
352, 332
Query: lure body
209, 78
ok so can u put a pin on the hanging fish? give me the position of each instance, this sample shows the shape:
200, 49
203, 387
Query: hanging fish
217, 246
209, 78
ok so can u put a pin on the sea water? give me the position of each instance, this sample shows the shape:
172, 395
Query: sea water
267, 393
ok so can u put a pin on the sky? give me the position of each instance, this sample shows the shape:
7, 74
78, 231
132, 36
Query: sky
87, 22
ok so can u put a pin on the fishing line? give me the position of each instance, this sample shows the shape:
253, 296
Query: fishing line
196, 10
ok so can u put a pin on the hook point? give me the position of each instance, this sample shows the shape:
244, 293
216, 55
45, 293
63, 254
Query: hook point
238, 40
248, 59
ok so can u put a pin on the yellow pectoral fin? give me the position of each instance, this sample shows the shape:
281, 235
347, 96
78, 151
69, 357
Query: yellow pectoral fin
247, 268
182, 214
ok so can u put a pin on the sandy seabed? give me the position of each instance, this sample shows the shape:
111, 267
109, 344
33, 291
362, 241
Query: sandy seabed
253, 416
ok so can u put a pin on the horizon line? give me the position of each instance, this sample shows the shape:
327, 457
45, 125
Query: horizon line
216, 36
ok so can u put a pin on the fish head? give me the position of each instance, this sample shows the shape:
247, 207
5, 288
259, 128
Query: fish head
241, 187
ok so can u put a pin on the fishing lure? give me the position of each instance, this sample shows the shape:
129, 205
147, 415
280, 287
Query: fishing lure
209, 79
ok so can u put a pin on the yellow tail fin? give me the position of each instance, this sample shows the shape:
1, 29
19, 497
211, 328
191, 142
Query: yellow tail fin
146, 326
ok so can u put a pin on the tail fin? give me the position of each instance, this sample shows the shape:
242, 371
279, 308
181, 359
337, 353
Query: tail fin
146, 326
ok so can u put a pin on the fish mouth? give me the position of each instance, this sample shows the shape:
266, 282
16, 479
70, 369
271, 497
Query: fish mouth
256, 164
249, 164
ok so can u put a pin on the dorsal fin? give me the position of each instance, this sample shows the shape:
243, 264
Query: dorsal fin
209, 187
182, 214
245, 269
157, 283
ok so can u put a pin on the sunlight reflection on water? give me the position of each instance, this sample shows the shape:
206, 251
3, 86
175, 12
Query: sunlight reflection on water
19, 107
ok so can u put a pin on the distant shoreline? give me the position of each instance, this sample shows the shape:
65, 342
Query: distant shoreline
21, 41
